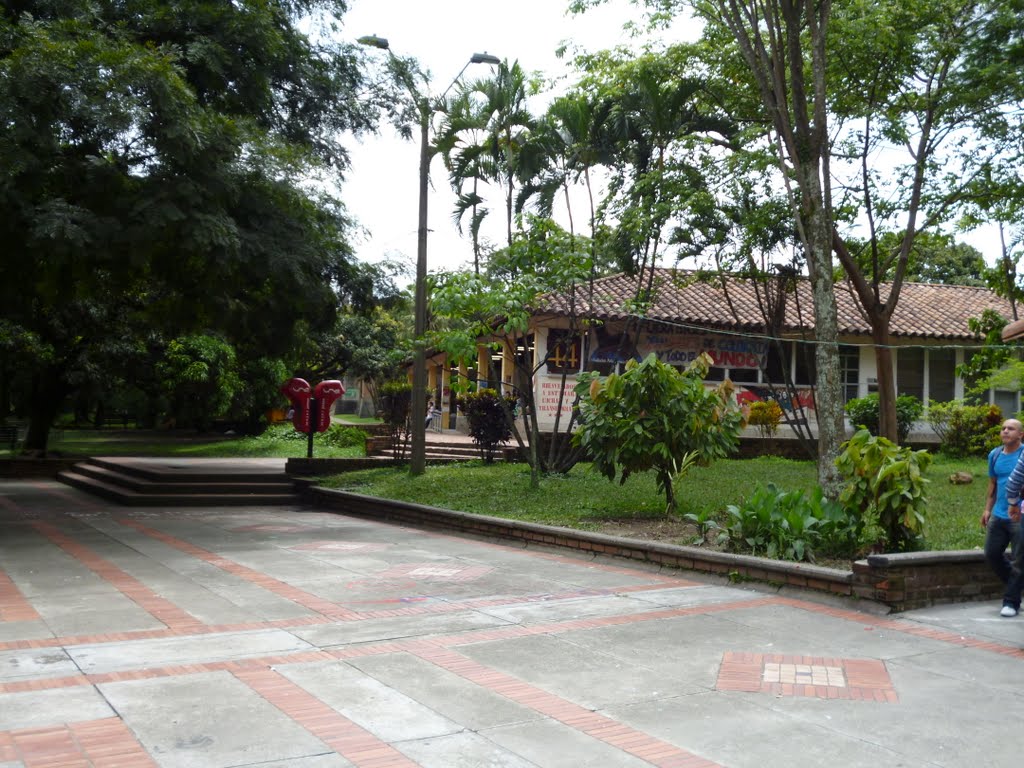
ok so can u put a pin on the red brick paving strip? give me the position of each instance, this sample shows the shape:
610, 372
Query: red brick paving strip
13, 605
159, 608
351, 741
103, 743
597, 726
269, 583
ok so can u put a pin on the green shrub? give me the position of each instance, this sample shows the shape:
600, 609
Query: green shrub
965, 430
395, 404
864, 412
488, 425
791, 525
885, 483
340, 436
766, 415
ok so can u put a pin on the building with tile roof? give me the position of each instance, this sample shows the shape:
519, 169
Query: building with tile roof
686, 314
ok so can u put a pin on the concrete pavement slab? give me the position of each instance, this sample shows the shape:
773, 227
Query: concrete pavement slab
474, 707
533, 742
582, 675
35, 662
216, 721
369, 630
461, 750
35, 709
291, 637
388, 714
141, 654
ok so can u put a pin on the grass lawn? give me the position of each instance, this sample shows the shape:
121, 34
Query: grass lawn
583, 499
279, 441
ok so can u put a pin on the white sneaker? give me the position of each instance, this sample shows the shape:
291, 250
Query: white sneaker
1008, 611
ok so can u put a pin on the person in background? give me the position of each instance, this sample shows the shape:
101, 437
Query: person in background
430, 414
1001, 519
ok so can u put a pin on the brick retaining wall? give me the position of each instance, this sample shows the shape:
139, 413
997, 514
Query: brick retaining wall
901, 581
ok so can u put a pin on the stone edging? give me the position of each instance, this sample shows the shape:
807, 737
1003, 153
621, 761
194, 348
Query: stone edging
900, 581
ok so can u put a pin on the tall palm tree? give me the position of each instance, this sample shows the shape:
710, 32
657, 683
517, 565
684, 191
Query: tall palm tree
490, 123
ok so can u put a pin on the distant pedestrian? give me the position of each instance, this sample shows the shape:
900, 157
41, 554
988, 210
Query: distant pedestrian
430, 414
1001, 518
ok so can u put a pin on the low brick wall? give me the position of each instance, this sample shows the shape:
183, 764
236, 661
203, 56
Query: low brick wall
917, 579
901, 581
307, 467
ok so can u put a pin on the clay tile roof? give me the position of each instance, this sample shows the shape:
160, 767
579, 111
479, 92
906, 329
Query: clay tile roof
923, 310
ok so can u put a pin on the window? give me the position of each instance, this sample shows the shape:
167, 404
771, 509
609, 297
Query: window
1008, 402
910, 372
941, 375
806, 368
849, 366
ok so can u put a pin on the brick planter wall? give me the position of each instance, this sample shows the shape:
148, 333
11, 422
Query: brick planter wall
901, 581
917, 579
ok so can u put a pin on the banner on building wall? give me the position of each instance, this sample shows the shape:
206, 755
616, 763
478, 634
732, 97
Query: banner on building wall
801, 405
548, 392
682, 348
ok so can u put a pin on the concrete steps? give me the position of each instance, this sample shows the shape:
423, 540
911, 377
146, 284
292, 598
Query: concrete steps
189, 482
440, 450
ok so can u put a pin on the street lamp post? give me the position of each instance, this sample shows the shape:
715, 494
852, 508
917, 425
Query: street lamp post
418, 449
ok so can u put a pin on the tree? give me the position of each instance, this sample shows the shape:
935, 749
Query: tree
495, 308
653, 417
150, 169
783, 46
491, 118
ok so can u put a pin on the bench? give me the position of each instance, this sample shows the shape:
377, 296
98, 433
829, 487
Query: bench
117, 420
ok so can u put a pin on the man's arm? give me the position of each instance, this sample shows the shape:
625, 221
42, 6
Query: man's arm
1013, 489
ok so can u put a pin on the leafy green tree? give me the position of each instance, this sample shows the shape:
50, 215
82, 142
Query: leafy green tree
496, 305
652, 417
150, 176
200, 378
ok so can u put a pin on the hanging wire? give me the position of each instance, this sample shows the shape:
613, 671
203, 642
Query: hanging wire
765, 337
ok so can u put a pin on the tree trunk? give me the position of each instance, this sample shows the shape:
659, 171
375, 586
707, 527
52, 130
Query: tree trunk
888, 426
48, 394
828, 390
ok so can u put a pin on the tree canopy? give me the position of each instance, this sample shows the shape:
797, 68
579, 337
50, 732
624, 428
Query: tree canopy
157, 176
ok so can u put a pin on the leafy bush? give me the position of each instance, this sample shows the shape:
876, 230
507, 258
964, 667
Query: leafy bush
652, 417
395, 404
864, 412
340, 436
965, 430
791, 525
766, 415
488, 425
886, 483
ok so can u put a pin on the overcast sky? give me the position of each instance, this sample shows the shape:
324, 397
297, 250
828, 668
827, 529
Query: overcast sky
381, 187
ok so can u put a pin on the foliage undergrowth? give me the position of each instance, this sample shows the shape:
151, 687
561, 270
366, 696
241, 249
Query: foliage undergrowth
585, 500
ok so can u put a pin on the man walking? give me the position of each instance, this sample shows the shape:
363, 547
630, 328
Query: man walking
1001, 519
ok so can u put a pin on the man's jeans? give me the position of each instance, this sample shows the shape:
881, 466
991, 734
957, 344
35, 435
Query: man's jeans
999, 534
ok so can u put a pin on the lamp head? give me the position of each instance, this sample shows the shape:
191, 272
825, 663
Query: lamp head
484, 58
374, 42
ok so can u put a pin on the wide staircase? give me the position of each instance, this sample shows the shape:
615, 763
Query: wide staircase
450, 446
153, 482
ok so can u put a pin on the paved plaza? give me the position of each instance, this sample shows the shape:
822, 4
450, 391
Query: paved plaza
288, 637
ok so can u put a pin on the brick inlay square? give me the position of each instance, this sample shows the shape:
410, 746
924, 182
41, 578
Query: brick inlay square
814, 676
437, 571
